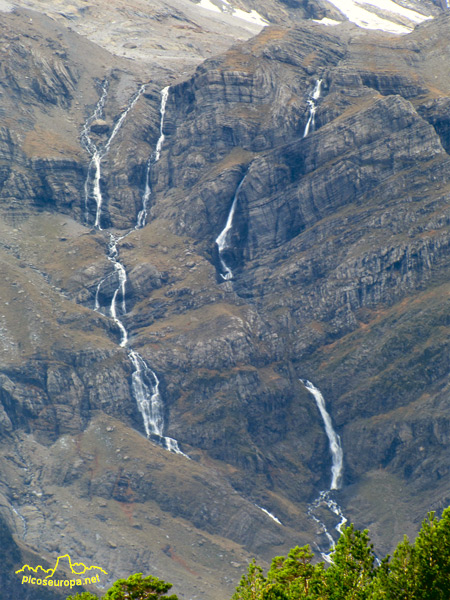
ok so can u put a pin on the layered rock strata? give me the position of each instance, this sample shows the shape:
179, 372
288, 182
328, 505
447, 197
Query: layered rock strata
338, 252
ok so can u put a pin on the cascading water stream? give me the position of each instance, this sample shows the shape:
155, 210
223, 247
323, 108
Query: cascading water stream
97, 294
159, 143
92, 187
337, 466
144, 381
269, 514
154, 158
337, 454
23, 521
93, 151
113, 257
312, 108
223, 239
145, 386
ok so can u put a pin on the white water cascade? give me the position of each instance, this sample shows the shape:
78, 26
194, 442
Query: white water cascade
269, 514
23, 521
145, 386
312, 108
113, 256
154, 158
337, 466
92, 187
91, 148
144, 381
337, 455
223, 239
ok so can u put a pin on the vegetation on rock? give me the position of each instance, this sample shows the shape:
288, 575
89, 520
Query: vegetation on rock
135, 587
416, 571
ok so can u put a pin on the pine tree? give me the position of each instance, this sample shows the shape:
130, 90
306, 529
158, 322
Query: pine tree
432, 558
138, 588
396, 577
295, 576
350, 575
419, 571
252, 584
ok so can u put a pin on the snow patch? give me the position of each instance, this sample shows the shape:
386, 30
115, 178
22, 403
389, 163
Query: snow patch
354, 11
5, 6
328, 22
365, 19
209, 6
360, 12
252, 17
396, 9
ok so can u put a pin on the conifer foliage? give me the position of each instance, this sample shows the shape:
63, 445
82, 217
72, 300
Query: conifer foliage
135, 587
416, 571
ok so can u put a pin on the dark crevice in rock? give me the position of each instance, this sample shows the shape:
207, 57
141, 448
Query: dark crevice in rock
437, 113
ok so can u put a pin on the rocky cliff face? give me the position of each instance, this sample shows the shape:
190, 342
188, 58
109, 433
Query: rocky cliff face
337, 247
332, 228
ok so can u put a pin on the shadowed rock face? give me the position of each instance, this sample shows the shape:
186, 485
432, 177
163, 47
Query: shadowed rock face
338, 250
12, 555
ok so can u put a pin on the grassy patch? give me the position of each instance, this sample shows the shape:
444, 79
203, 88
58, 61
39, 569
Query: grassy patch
45, 143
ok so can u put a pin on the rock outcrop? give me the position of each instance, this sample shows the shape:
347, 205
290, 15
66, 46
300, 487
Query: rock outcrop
333, 233
338, 251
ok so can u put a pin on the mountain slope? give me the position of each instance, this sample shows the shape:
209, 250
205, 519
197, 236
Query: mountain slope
337, 248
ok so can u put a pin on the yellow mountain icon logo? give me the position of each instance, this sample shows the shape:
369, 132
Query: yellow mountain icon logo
77, 568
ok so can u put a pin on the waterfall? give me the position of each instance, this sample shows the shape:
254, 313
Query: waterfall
337, 465
223, 239
337, 455
159, 143
97, 294
22, 518
144, 381
113, 256
93, 151
145, 386
143, 213
154, 158
312, 107
92, 187
269, 514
